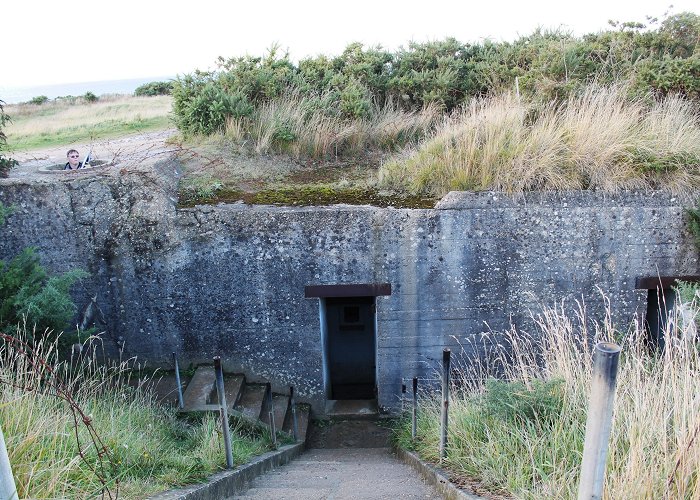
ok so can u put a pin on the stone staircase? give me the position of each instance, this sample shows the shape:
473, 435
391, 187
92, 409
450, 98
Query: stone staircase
253, 402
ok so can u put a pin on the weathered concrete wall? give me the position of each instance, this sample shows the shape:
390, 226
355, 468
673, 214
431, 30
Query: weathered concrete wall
230, 279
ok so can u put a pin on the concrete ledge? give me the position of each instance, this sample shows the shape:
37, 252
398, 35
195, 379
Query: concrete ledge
435, 477
227, 483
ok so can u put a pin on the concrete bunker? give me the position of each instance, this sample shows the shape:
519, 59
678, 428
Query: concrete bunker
662, 304
348, 320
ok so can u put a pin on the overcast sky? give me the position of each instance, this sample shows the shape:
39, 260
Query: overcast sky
77, 41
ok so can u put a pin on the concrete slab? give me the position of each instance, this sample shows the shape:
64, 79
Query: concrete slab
197, 396
352, 408
252, 399
342, 474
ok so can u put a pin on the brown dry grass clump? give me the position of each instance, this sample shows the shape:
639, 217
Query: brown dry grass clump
600, 139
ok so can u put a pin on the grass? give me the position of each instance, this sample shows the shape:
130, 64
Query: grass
62, 122
148, 448
600, 139
522, 435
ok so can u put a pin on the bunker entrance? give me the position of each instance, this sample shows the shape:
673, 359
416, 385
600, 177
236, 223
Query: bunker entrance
351, 347
349, 338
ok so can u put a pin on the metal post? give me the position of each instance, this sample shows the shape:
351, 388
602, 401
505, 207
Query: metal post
599, 421
414, 416
273, 431
445, 401
295, 424
180, 402
223, 411
7, 481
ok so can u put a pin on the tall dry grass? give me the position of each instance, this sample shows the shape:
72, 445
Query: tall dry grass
598, 139
299, 125
148, 449
525, 437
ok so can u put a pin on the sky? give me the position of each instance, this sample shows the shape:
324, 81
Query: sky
48, 43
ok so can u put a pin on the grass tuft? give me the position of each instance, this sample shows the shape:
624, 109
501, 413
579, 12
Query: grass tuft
598, 139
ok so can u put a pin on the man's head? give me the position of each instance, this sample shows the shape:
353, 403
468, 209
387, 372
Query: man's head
73, 158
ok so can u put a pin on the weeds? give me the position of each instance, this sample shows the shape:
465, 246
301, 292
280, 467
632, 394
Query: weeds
523, 435
598, 139
149, 447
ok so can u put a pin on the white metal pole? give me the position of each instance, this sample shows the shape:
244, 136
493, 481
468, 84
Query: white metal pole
7, 481
599, 421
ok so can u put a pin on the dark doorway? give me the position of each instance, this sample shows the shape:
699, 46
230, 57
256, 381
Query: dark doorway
351, 347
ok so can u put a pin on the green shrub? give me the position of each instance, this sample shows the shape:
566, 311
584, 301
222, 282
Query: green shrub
90, 97
39, 100
28, 292
5, 163
694, 222
154, 88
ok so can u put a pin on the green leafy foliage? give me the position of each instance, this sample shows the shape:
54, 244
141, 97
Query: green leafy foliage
5, 163
27, 291
90, 97
548, 66
154, 88
39, 100
694, 222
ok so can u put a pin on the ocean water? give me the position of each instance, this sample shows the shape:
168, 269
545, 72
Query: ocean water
14, 95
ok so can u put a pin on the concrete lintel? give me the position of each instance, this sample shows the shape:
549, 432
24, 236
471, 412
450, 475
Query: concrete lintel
350, 290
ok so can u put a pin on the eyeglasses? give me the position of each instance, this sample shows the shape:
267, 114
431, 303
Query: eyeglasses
73, 156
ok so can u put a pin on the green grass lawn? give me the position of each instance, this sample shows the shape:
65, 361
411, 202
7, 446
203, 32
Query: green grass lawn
58, 123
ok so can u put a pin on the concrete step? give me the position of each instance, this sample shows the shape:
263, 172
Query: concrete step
280, 403
348, 409
197, 396
233, 389
252, 400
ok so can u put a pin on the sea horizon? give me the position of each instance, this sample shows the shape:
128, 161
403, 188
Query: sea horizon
19, 94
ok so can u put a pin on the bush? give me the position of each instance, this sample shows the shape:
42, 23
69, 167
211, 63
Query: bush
27, 292
90, 97
39, 100
202, 107
5, 163
154, 88
447, 74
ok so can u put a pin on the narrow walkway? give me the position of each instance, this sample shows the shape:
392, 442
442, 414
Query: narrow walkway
348, 460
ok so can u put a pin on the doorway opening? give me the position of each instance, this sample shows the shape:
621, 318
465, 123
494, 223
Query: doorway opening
351, 347
349, 339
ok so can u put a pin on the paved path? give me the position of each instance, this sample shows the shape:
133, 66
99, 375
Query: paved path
341, 473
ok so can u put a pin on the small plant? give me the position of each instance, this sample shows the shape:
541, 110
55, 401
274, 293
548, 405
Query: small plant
90, 97
694, 223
